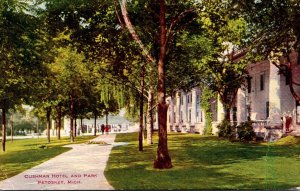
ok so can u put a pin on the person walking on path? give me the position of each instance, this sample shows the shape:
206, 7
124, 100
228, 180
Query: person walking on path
102, 129
106, 129
81, 168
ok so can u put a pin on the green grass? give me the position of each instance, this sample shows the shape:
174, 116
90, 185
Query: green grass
27, 153
204, 162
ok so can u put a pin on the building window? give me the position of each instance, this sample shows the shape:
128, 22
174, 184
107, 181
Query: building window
174, 117
298, 112
188, 98
191, 98
198, 99
248, 112
180, 117
190, 115
201, 117
249, 84
181, 100
262, 82
234, 116
267, 109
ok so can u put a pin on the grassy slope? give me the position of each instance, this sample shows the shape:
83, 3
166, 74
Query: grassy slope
25, 154
204, 163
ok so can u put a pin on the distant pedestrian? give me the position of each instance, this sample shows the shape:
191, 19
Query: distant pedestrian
102, 129
106, 129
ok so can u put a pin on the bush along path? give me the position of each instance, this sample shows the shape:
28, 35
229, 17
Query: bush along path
81, 168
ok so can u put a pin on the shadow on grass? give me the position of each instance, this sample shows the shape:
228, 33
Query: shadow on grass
225, 152
204, 163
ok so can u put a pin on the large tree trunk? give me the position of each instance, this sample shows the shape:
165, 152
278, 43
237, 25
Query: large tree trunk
163, 160
75, 126
150, 117
95, 123
59, 121
106, 118
141, 131
3, 126
71, 129
71, 119
12, 127
227, 114
48, 113
227, 99
55, 127
81, 125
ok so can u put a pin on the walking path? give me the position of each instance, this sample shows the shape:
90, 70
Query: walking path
81, 168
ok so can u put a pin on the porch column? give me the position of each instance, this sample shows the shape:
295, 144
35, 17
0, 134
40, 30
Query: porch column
177, 109
220, 110
156, 121
184, 108
170, 114
194, 106
274, 92
241, 106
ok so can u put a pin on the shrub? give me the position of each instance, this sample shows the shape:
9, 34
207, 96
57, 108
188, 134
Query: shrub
226, 129
207, 130
208, 124
245, 131
288, 140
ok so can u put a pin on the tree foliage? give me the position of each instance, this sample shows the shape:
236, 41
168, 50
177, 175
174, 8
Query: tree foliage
274, 33
205, 103
223, 70
21, 50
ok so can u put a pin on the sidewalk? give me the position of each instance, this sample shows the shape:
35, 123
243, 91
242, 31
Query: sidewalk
81, 168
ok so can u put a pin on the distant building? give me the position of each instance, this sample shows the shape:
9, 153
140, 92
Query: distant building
266, 99
185, 113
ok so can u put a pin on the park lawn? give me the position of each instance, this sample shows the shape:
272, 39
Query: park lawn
27, 153
204, 162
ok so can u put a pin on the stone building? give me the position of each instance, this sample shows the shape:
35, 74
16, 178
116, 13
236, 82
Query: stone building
185, 113
266, 99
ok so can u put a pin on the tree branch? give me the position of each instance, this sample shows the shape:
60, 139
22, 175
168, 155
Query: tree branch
126, 82
151, 109
172, 34
176, 20
118, 16
295, 95
133, 33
